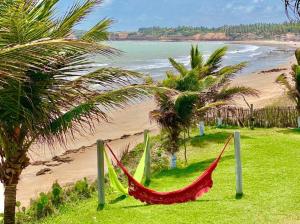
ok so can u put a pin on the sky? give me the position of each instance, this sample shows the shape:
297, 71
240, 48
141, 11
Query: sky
129, 15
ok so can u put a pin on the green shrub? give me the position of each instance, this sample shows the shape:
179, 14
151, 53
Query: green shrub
82, 189
43, 206
57, 196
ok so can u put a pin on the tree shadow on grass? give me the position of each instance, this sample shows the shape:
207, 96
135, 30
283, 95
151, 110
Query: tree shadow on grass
290, 131
219, 138
187, 171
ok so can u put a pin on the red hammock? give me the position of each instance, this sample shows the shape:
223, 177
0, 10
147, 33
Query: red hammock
189, 193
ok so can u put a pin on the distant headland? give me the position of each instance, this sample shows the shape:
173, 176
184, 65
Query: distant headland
259, 31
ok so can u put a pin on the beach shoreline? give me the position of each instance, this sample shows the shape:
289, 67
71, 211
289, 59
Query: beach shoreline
126, 126
293, 44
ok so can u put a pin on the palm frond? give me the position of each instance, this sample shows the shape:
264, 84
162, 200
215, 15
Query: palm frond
41, 54
77, 12
97, 107
98, 32
231, 70
283, 80
178, 66
292, 7
209, 106
106, 77
230, 92
215, 59
28, 21
207, 82
196, 58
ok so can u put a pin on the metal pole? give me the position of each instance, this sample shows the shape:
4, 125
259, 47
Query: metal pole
238, 167
100, 168
148, 157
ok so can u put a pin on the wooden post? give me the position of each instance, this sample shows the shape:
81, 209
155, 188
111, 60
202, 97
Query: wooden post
201, 128
100, 168
252, 116
147, 158
238, 166
299, 122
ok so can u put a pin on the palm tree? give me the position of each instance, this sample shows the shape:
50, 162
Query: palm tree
174, 117
292, 82
48, 85
207, 78
203, 86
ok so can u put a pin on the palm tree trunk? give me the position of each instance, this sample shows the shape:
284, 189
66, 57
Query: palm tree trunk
10, 203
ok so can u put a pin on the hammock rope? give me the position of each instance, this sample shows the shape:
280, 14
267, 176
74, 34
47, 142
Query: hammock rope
189, 193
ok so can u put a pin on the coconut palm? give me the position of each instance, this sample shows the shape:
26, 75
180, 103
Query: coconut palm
202, 86
48, 85
174, 117
292, 82
207, 78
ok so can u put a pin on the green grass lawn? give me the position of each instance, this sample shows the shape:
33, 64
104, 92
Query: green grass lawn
271, 167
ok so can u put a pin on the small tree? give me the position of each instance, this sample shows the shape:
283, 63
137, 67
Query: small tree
174, 117
202, 86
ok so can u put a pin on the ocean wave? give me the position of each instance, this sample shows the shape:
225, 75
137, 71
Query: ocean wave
255, 54
149, 66
248, 48
98, 65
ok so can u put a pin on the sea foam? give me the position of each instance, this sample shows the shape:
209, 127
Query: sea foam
247, 48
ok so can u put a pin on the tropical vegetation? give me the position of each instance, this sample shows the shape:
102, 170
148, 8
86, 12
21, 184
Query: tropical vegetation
48, 86
202, 86
291, 82
232, 32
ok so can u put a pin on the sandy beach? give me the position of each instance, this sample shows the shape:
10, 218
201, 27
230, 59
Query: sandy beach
126, 127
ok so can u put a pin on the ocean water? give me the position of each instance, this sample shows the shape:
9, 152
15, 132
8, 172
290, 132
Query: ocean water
151, 57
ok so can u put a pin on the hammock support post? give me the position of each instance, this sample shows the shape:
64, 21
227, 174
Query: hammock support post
238, 166
147, 158
100, 169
